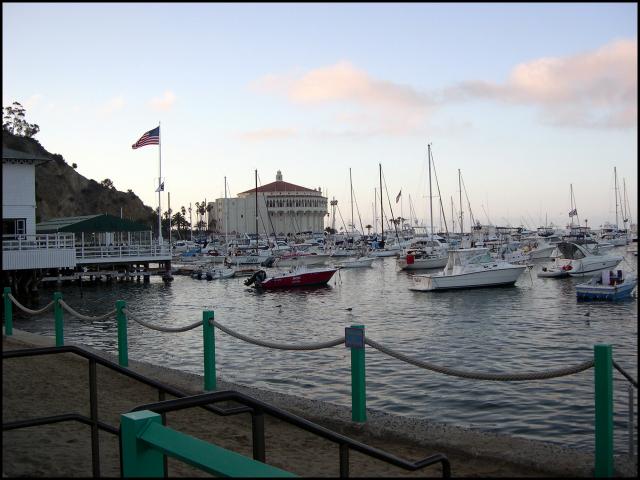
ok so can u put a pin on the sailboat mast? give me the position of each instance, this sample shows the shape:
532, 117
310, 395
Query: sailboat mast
256, 209
430, 194
453, 220
375, 210
615, 192
461, 214
351, 186
381, 208
226, 215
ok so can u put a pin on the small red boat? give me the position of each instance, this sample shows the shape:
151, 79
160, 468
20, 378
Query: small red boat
298, 277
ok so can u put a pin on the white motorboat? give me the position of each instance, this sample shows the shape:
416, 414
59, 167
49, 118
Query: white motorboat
579, 261
356, 262
469, 268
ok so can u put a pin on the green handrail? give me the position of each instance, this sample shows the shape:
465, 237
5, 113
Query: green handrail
145, 441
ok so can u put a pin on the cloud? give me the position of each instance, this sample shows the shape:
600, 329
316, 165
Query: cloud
268, 134
363, 102
163, 103
113, 105
592, 89
32, 101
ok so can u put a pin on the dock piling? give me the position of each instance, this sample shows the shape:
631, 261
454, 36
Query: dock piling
59, 319
603, 374
8, 312
123, 350
208, 332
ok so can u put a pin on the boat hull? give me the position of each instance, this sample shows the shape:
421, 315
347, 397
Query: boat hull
492, 278
607, 292
593, 266
305, 279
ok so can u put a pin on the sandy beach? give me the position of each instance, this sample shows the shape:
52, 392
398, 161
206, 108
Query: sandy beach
50, 385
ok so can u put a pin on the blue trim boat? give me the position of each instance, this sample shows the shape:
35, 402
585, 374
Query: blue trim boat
607, 286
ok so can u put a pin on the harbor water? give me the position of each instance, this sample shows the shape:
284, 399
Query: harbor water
536, 326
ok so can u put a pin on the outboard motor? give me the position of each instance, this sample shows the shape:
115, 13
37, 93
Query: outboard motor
258, 277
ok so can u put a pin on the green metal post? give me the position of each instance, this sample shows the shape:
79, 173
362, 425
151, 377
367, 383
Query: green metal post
138, 459
123, 349
208, 332
358, 384
8, 312
58, 314
604, 410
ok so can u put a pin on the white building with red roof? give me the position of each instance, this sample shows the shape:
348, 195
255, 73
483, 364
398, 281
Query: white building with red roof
283, 208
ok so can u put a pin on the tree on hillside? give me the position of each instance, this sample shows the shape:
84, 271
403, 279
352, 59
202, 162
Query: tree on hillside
107, 183
14, 121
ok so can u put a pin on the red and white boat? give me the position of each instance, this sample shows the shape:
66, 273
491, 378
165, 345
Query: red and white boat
298, 277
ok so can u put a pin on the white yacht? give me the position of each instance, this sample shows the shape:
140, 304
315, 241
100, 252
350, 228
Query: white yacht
469, 268
578, 261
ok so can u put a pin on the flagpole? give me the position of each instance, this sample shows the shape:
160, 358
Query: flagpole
159, 185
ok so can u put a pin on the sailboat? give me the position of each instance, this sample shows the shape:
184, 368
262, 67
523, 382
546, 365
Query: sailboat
612, 233
424, 253
379, 248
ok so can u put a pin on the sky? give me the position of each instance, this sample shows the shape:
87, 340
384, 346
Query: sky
520, 102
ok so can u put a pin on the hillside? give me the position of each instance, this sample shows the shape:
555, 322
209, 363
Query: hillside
62, 192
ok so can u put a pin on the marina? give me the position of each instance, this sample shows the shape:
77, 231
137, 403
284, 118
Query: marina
535, 325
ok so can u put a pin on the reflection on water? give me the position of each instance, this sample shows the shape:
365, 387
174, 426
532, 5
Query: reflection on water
535, 326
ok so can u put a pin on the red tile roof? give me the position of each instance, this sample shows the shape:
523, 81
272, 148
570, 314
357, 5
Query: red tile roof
279, 186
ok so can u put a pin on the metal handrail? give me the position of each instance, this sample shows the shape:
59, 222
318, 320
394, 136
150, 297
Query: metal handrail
261, 408
93, 420
249, 405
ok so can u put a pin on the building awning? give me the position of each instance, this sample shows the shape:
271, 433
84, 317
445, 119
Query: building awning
15, 156
90, 223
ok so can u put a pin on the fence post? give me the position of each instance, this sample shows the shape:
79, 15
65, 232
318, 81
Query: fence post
59, 319
602, 355
8, 312
139, 460
208, 332
123, 350
358, 383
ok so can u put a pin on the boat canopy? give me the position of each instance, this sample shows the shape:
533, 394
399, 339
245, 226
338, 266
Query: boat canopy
465, 256
571, 251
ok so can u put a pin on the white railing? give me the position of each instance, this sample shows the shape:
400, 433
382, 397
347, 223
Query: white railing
38, 242
84, 252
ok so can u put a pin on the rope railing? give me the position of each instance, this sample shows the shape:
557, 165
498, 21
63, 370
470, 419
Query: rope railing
79, 315
28, 310
279, 346
504, 377
160, 328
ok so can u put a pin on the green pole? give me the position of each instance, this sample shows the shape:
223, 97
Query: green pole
208, 332
123, 351
58, 314
8, 312
602, 355
138, 459
358, 383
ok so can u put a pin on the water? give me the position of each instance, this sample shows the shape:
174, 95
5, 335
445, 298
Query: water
535, 326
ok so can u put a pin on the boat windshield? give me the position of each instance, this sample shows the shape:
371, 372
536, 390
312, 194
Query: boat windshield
482, 258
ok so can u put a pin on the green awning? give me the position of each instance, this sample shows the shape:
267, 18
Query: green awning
90, 223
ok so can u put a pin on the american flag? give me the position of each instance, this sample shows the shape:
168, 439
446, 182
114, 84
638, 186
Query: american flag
573, 212
152, 137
